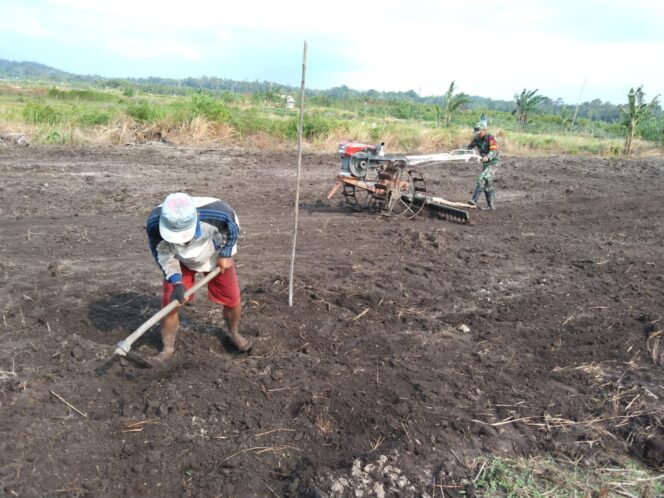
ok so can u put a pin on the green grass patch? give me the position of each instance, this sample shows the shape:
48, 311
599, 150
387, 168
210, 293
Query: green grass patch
93, 117
314, 126
207, 107
78, 95
561, 144
54, 136
38, 113
540, 478
145, 111
254, 121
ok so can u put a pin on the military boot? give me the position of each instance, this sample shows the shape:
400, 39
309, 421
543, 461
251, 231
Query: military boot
476, 195
490, 200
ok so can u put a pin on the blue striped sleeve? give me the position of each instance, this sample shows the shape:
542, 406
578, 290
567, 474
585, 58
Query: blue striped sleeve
222, 216
233, 234
152, 230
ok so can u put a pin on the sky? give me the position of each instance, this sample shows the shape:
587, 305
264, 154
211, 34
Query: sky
576, 50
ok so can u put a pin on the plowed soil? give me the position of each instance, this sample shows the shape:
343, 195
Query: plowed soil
413, 350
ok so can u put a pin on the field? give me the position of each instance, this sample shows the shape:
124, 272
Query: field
98, 115
517, 355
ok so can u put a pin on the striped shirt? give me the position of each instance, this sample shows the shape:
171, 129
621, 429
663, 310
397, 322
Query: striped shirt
216, 237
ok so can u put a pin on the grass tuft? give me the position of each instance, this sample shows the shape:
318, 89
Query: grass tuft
539, 477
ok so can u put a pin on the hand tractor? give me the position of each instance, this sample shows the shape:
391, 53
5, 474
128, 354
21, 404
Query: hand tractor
391, 183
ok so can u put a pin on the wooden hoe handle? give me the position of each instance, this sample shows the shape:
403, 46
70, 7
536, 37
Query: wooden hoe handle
123, 347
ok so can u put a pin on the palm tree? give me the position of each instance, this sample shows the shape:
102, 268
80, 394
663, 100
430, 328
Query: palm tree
633, 113
526, 102
452, 103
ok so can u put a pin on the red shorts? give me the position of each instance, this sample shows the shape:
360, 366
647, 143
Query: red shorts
222, 289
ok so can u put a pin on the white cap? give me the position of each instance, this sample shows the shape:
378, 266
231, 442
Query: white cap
177, 223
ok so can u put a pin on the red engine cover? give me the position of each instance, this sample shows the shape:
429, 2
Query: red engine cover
350, 148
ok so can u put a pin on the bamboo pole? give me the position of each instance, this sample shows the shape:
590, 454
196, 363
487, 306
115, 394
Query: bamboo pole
578, 104
297, 181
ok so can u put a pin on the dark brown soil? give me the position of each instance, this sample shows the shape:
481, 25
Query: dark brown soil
414, 348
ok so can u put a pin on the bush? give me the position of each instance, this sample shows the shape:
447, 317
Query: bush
202, 106
89, 95
52, 137
144, 111
249, 121
313, 126
37, 113
94, 117
207, 107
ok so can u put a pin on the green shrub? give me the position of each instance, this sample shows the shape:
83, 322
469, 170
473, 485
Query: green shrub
89, 95
144, 111
248, 122
54, 136
37, 113
615, 149
94, 117
202, 106
313, 126
207, 107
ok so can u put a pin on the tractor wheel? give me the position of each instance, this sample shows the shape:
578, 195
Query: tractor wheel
357, 198
407, 193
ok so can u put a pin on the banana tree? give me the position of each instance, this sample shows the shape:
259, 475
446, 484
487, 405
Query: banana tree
526, 102
452, 103
634, 113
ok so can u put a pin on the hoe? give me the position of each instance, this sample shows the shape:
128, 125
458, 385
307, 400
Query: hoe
123, 348
391, 183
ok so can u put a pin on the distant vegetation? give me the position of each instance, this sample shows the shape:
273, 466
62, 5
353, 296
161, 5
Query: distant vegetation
58, 107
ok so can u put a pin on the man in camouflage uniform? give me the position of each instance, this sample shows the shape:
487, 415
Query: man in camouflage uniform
488, 148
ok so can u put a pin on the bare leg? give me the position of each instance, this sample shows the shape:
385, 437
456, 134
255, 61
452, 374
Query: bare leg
169, 330
232, 317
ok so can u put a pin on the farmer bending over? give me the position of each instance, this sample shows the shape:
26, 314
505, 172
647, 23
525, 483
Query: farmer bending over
195, 234
488, 148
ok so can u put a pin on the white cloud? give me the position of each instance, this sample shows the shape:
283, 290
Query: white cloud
490, 47
223, 35
158, 49
22, 20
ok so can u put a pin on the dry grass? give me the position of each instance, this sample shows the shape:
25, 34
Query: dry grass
22, 90
555, 478
137, 426
654, 348
21, 128
593, 370
399, 137
444, 139
197, 131
8, 374
324, 424
376, 443
126, 130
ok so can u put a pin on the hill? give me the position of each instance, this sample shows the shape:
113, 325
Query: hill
32, 70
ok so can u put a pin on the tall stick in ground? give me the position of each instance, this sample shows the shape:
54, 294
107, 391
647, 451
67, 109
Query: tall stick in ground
297, 181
